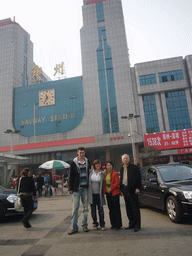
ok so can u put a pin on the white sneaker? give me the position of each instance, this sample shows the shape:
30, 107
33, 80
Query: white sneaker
103, 228
95, 227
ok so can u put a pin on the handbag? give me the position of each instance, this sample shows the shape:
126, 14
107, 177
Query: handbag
18, 204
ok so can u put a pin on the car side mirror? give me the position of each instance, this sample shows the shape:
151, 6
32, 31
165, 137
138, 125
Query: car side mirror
153, 180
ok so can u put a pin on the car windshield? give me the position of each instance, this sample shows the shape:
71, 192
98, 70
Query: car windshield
175, 173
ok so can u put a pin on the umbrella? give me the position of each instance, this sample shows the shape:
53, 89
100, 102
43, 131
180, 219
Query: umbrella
54, 164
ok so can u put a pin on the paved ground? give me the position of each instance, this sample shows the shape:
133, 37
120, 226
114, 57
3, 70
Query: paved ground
51, 223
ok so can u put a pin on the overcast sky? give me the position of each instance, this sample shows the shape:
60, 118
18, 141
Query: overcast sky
155, 30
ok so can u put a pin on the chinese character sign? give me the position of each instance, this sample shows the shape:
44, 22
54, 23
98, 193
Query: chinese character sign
36, 72
59, 68
169, 140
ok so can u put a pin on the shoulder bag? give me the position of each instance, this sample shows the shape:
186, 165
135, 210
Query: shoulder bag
18, 204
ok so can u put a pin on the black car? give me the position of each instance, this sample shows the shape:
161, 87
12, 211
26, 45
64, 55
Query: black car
168, 187
7, 200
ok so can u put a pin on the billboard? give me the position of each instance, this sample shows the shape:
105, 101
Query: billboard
169, 140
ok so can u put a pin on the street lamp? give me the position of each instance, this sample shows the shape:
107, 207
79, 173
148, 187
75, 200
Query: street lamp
11, 132
130, 117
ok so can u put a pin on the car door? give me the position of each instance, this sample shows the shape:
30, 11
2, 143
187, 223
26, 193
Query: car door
151, 191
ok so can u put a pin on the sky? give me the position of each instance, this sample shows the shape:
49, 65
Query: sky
154, 29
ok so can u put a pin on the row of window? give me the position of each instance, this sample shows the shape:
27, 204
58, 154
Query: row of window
106, 85
106, 78
163, 77
177, 110
150, 110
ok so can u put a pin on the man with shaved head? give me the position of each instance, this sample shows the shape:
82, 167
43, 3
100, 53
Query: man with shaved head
130, 184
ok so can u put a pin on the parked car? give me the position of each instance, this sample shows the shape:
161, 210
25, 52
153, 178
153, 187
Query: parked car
7, 200
169, 188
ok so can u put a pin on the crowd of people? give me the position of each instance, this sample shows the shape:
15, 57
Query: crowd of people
94, 187
91, 184
44, 184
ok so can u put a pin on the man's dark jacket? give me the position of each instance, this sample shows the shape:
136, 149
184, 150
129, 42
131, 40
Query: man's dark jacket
74, 175
134, 178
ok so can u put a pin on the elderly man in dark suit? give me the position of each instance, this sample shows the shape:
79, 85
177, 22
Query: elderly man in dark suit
130, 184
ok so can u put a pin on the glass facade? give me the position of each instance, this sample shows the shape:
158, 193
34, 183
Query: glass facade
150, 110
171, 76
106, 79
24, 74
177, 109
25, 43
148, 79
100, 12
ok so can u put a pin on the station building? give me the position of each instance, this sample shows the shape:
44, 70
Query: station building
51, 119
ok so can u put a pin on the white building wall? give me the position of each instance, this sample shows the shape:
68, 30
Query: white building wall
159, 89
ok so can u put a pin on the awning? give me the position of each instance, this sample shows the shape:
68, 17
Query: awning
12, 159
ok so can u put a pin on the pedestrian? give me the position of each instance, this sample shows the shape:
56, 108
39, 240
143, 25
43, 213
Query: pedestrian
130, 184
14, 183
78, 184
27, 191
112, 191
64, 182
96, 195
50, 183
56, 179
46, 184
40, 183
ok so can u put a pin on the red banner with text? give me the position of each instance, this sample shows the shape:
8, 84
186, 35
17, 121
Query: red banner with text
169, 140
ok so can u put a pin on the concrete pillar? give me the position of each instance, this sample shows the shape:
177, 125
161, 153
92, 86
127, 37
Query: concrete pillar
52, 156
171, 159
17, 170
137, 154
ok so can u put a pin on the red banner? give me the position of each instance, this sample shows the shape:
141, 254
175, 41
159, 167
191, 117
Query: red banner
169, 140
184, 150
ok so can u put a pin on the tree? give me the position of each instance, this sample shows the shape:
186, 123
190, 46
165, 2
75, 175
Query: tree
151, 153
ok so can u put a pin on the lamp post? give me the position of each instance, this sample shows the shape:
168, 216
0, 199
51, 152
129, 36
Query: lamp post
11, 132
130, 118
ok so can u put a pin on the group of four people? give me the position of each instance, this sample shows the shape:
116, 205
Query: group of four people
90, 185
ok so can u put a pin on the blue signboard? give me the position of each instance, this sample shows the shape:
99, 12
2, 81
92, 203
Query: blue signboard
48, 108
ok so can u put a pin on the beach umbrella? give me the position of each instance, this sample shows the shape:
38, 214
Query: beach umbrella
54, 164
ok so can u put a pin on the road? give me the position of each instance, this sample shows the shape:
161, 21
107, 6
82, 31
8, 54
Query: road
51, 223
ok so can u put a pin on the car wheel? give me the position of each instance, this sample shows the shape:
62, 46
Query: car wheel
174, 210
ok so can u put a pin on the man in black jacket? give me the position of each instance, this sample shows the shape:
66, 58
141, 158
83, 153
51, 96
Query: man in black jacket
78, 184
130, 184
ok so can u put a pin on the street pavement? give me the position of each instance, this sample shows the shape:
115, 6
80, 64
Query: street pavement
51, 223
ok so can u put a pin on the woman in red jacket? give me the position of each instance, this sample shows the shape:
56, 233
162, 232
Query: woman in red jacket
112, 191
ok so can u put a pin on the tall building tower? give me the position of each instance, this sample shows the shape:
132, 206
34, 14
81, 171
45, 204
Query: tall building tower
107, 81
16, 62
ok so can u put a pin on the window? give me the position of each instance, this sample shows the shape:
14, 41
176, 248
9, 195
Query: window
177, 109
25, 43
100, 12
151, 174
107, 84
24, 75
150, 111
148, 79
171, 76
